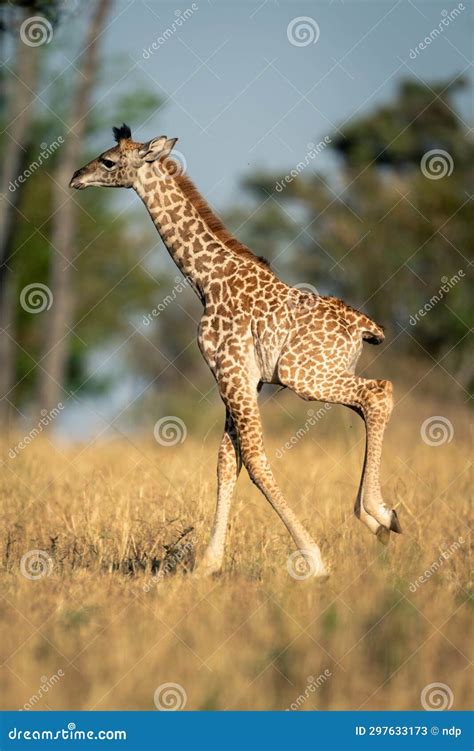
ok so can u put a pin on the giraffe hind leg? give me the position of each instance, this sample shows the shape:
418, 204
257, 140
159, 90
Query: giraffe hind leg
373, 400
381, 532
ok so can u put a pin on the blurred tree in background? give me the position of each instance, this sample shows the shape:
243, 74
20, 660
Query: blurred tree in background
64, 217
390, 229
87, 253
384, 229
16, 111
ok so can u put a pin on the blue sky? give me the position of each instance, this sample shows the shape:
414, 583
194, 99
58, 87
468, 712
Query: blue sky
240, 96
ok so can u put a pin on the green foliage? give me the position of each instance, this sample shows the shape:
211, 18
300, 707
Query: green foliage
382, 235
388, 236
110, 277
110, 284
421, 118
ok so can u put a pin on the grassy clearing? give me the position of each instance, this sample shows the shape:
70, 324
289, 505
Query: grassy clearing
108, 514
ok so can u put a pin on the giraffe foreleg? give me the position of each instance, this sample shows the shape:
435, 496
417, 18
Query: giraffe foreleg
242, 404
228, 468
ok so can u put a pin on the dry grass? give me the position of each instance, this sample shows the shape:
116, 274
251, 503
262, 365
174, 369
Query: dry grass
249, 639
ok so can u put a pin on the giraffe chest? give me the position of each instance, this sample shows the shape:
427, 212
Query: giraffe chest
268, 341
260, 337
246, 316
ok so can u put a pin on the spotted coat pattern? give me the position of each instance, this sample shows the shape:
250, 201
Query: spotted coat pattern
256, 329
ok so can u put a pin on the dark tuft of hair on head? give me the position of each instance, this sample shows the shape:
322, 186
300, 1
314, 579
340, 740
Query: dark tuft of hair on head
122, 132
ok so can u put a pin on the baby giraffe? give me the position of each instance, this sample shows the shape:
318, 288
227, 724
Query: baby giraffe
255, 329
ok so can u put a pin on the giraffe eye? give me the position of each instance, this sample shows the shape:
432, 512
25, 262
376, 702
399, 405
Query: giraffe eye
108, 163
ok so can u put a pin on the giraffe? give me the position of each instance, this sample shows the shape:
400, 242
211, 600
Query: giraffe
255, 329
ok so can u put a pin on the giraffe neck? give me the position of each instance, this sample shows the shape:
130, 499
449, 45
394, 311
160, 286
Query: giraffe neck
194, 247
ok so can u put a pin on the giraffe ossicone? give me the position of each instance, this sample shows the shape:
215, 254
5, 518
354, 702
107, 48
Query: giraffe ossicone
255, 329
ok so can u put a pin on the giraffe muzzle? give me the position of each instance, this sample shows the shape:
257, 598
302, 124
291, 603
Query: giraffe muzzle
76, 181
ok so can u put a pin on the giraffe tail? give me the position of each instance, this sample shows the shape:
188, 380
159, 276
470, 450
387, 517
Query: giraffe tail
371, 331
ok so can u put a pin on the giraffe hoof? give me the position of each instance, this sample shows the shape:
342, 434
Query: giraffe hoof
208, 568
383, 535
395, 524
207, 573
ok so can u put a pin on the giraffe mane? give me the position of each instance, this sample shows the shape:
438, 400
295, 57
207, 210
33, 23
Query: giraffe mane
212, 220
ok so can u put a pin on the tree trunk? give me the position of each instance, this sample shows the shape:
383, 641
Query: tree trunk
59, 319
19, 115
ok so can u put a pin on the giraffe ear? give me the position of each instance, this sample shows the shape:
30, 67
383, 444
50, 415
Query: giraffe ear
156, 148
169, 146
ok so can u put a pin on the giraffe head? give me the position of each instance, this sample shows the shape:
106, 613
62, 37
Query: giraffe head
118, 167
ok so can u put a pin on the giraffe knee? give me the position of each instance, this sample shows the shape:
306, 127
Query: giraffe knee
377, 398
254, 468
256, 465
387, 396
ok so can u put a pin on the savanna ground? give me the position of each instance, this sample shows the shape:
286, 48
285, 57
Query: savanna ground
107, 514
